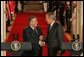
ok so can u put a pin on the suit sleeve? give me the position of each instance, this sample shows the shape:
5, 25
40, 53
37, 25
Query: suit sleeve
60, 36
26, 35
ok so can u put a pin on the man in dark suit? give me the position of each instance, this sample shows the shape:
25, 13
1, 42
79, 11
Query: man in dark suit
55, 35
32, 34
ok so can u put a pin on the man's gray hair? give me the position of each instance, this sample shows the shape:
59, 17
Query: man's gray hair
51, 15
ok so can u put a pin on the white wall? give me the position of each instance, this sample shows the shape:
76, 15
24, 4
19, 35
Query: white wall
3, 26
81, 30
80, 20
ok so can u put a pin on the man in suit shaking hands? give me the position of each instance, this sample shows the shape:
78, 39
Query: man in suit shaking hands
54, 36
33, 34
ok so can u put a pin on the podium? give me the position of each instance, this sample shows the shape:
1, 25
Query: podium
27, 46
7, 46
73, 48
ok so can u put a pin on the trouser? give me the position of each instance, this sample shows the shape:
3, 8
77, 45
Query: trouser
33, 52
52, 51
37, 52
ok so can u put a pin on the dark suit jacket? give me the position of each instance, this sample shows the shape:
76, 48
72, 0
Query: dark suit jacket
30, 36
54, 37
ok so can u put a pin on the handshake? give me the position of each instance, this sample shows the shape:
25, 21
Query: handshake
41, 42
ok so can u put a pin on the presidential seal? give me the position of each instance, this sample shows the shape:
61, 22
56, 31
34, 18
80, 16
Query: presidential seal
76, 45
15, 45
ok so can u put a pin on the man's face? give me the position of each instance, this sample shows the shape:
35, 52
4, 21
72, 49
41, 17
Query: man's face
34, 22
47, 19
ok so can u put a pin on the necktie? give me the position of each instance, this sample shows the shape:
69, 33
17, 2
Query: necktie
36, 39
36, 32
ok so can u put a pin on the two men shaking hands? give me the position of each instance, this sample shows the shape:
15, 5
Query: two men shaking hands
34, 35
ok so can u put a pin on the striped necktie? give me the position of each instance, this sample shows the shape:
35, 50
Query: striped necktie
35, 30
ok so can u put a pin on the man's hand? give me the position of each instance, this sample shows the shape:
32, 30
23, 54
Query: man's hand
41, 43
41, 38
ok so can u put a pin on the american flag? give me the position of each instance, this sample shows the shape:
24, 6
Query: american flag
8, 13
